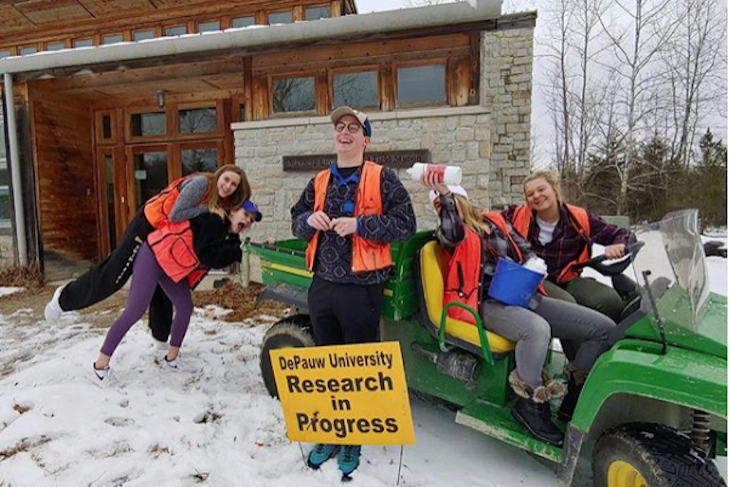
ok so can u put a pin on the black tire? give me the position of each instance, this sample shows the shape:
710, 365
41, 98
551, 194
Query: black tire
292, 332
664, 457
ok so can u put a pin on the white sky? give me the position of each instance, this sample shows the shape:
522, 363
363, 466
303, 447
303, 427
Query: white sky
540, 129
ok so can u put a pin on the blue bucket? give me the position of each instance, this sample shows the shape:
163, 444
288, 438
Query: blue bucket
513, 284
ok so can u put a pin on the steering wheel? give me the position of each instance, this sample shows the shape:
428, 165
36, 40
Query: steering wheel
614, 268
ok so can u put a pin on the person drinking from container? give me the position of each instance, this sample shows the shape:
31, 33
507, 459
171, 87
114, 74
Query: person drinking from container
475, 242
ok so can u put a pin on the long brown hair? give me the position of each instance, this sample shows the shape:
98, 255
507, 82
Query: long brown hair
214, 202
472, 215
550, 176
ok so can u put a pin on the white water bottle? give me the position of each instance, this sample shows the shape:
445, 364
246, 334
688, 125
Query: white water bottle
536, 264
449, 175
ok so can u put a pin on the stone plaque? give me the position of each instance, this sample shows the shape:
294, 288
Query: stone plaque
394, 159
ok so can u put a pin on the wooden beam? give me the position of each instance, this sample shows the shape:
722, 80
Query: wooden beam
475, 61
248, 88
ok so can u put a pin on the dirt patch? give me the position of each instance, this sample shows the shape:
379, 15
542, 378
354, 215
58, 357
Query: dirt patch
231, 295
28, 277
36, 299
241, 300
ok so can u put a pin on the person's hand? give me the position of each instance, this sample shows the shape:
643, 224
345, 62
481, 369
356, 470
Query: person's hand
615, 251
430, 180
344, 226
319, 221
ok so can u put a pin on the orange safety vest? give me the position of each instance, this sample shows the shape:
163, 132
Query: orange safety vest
157, 209
172, 245
578, 217
366, 255
464, 272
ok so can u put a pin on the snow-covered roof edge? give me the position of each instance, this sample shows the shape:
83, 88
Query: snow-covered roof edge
348, 26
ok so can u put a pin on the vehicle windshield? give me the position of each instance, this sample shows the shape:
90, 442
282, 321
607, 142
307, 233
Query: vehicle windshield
673, 254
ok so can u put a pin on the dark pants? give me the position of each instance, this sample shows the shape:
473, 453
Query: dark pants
148, 275
110, 275
344, 313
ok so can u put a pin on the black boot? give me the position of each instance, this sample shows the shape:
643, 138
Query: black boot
575, 386
533, 411
535, 416
567, 407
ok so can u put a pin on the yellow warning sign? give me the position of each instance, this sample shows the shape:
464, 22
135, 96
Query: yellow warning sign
344, 395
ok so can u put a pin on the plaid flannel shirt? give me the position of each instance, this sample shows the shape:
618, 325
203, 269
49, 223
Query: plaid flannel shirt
567, 244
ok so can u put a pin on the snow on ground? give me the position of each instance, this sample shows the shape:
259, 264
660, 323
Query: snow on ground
5, 291
212, 424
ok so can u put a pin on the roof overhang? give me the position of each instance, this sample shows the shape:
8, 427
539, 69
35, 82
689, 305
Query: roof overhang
404, 23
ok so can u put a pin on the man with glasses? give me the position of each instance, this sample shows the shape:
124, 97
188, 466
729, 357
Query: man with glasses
349, 214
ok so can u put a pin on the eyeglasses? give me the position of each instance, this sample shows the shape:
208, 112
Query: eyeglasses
353, 128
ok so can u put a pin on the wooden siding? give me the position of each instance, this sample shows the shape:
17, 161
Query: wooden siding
38, 21
62, 132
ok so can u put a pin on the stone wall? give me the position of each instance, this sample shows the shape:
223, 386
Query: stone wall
491, 141
506, 87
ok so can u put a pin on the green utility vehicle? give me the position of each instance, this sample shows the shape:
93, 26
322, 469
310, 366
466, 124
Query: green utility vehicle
653, 411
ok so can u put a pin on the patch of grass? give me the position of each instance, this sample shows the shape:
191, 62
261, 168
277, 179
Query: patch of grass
21, 409
156, 450
23, 445
28, 277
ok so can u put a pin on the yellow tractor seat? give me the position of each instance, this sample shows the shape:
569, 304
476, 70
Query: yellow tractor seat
431, 287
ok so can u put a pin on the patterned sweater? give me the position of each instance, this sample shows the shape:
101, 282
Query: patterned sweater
333, 260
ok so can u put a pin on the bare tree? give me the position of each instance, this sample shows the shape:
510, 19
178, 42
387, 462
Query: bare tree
557, 47
695, 64
635, 48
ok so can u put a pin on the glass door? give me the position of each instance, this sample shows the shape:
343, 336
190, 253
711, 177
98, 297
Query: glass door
148, 172
112, 197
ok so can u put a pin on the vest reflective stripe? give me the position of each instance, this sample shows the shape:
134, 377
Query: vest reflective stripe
579, 219
463, 276
172, 246
157, 209
366, 255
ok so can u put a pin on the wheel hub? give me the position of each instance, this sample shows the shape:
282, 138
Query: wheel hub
623, 474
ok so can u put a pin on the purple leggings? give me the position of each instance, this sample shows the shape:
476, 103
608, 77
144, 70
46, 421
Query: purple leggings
146, 275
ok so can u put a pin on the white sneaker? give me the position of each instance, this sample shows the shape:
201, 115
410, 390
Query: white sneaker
175, 363
53, 309
101, 376
159, 344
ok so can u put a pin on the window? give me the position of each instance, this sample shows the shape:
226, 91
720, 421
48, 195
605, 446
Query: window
55, 46
316, 13
83, 42
198, 120
4, 53
140, 35
147, 124
280, 17
243, 21
356, 90
25, 50
293, 94
106, 127
209, 26
176, 30
422, 85
199, 160
241, 112
112, 39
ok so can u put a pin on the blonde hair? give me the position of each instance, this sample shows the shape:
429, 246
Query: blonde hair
472, 215
550, 176
220, 206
